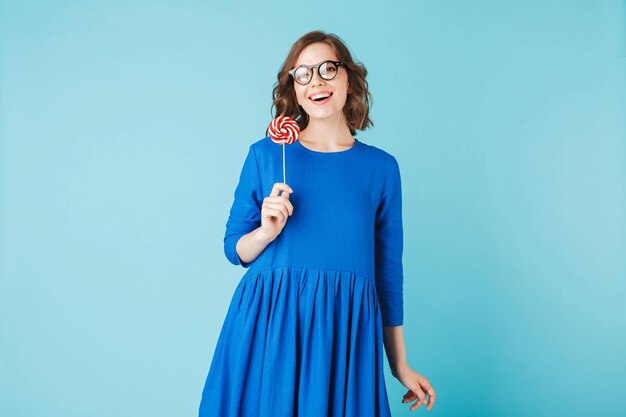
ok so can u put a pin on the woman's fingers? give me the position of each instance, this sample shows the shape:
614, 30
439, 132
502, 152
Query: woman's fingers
280, 200
426, 387
415, 393
278, 206
431, 398
278, 187
418, 393
272, 212
425, 384
409, 396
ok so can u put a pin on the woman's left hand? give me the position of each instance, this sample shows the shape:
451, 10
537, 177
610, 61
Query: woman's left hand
418, 385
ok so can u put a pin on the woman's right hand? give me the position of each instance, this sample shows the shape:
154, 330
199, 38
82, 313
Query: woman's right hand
275, 211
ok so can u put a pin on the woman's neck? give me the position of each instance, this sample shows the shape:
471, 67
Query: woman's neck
327, 135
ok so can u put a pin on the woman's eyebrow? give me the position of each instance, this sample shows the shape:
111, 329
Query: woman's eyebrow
317, 63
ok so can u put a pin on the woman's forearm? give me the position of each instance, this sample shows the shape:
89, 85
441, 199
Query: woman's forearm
394, 347
250, 246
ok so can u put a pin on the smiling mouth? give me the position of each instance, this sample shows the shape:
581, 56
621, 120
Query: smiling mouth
321, 100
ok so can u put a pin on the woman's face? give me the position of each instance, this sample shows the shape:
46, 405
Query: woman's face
315, 54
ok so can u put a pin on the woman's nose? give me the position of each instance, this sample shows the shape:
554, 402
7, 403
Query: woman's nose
316, 79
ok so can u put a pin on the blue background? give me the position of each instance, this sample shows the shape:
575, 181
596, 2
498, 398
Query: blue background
124, 126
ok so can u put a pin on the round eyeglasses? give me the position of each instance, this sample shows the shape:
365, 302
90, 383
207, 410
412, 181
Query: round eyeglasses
304, 73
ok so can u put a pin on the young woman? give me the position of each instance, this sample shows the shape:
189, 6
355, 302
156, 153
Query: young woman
322, 293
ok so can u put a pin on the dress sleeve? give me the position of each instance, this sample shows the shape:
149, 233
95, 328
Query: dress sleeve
388, 248
245, 213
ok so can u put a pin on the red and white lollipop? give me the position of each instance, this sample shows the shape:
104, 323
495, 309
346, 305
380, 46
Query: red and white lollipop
283, 130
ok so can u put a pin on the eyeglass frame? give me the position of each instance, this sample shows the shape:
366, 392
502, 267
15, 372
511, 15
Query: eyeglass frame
292, 71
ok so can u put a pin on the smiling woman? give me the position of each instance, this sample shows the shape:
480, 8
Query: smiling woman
305, 330
326, 56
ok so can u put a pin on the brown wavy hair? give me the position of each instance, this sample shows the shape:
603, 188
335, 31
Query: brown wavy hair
356, 109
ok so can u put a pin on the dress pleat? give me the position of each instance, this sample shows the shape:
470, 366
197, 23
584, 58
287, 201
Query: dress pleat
319, 356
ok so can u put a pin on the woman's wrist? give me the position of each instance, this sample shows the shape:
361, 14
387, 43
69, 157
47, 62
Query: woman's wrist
260, 237
398, 368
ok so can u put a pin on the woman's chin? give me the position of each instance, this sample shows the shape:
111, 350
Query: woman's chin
320, 114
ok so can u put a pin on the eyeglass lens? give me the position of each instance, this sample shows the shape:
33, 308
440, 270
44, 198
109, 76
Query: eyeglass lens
327, 70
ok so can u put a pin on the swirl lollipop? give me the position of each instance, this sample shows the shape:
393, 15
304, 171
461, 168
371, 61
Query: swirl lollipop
284, 130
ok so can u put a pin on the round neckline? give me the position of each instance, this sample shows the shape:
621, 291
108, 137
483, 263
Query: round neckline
356, 143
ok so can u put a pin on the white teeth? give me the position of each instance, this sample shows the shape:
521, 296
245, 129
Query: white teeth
323, 95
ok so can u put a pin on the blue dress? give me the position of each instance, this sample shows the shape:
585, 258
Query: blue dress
303, 332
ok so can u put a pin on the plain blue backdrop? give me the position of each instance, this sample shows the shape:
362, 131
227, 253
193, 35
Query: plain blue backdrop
124, 126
